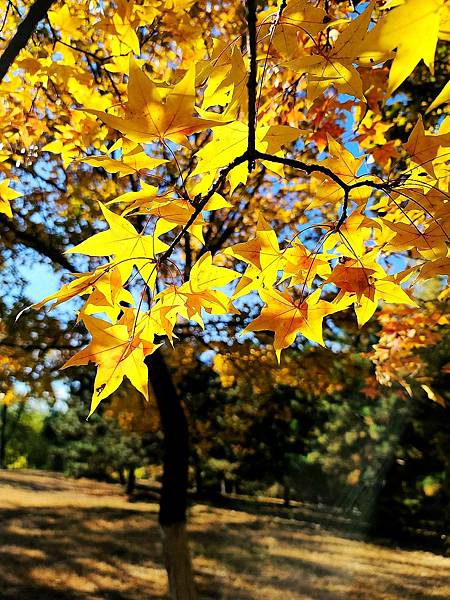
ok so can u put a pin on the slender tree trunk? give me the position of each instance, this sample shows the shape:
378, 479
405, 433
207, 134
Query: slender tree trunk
131, 480
173, 502
3, 436
286, 494
121, 476
198, 477
25, 30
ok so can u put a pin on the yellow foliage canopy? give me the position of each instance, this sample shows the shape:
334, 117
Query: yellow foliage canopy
223, 164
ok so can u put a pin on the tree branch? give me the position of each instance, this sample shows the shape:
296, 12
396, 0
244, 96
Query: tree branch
298, 164
251, 82
37, 12
200, 202
31, 240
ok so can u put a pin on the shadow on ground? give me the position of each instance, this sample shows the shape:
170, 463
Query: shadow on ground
61, 542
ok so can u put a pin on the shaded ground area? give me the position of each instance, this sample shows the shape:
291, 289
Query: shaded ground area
62, 539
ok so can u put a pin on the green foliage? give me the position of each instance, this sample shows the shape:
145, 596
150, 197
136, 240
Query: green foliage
94, 448
25, 445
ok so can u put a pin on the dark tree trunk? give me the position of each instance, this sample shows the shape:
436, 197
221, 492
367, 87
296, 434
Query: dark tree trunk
121, 476
131, 480
198, 478
287, 494
25, 30
173, 502
3, 436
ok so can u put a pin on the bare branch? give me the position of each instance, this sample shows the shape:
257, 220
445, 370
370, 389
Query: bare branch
251, 82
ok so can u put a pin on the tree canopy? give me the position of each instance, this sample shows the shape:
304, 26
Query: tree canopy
232, 155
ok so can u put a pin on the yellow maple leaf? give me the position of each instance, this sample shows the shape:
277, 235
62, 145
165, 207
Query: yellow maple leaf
302, 265
264, 256
116, 355
105, 279
434, 268
287, 317
135, 162
149, 115
128, 247
425, 149
412, 30
346, 166
6, 195
299, 18
206, 276
442, 98
335, 66
367, 291
431, 242
229, 142
68, 25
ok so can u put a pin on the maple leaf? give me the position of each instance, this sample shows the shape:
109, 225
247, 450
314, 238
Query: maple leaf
229, 142
134, 200
440, 266
128, 247
442, 98
135, 162
121, 26
149, 115
366, 284
353, 235
263, 255
189, 304
425, 149
299, 18
171, 213
116, 355
353, 277
104, 279
346, 166
302, 265
287, 317
226, 76
431, 242
6, 195
206, 276
201, 291
68, 25
334, 66
412, 30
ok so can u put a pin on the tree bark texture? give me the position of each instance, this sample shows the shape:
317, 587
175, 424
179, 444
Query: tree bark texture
173, 502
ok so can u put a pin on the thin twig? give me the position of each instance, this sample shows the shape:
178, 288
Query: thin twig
251, 82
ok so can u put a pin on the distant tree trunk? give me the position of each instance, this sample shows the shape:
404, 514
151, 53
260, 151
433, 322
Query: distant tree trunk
3, 436
173, 502
198, 477
131, 480
121, 476
286, 493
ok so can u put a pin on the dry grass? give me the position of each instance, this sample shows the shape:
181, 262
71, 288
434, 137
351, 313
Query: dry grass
68, 540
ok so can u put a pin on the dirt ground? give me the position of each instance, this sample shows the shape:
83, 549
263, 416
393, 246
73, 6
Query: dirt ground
62, 539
